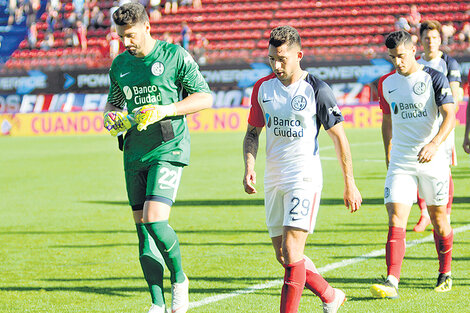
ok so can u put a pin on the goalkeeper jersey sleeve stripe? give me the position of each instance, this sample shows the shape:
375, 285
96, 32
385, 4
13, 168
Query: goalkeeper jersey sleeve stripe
115, 95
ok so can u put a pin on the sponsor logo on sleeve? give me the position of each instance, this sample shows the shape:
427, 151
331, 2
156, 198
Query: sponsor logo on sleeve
455, 73
334, 110
446, 91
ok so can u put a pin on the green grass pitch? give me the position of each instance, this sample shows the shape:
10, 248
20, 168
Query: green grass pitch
68, 242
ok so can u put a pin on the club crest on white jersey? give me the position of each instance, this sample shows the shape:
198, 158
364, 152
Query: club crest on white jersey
292, 116
415, 109
299, 103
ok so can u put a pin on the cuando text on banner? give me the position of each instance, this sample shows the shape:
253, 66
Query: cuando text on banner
211, 120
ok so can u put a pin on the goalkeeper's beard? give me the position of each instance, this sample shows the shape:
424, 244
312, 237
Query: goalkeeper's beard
132, 50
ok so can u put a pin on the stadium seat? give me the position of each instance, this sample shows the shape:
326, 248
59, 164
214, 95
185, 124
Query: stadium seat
240, 29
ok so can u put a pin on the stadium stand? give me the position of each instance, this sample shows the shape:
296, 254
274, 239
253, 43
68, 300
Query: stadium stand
237, 30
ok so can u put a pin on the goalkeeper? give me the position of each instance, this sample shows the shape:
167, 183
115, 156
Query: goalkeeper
148, 79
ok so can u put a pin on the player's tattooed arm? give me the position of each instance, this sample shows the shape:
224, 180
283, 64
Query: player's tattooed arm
250, 150
251, 142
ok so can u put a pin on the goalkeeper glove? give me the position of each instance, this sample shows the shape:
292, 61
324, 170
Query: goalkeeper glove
117, 122
151, 113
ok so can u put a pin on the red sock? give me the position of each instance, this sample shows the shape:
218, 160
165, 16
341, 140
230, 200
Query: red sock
395, 250
451, 195
316, 283
294, 282
444, 250
421, 203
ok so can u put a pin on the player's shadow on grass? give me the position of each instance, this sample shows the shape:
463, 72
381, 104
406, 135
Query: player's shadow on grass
433, 258
123, 291
235, 202
228, 232
206, 202
335, 244
114, 231
111, 245
68, 232
460, 173
459, 200
113, 291
110, 291
249, 279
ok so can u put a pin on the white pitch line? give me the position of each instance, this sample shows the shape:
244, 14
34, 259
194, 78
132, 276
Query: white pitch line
351, 144
323, 158
322, 270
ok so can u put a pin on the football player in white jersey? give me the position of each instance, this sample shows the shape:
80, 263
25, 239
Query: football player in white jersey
412, 98
430, 37
466, 138
293, 105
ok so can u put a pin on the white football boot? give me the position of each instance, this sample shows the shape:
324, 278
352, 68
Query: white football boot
180, 296
334, 306
157, 309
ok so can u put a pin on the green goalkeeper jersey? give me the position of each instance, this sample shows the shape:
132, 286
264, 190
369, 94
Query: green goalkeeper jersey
158, 78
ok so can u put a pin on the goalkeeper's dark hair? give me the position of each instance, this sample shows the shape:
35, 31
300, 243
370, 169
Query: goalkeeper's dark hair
130, 14
285, 35
397, 38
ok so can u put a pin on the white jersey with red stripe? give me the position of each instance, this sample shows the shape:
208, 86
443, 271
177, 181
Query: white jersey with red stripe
293, 116
413, 102
451, 69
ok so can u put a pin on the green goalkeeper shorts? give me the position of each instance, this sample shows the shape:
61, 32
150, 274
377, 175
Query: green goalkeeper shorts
159, 182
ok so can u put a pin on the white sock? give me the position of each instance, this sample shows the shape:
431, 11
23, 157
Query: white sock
393, 280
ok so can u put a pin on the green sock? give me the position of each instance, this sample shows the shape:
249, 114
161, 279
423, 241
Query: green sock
167, 243
152, 265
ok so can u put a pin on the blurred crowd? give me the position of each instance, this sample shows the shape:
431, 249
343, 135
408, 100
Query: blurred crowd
71, 21
196, 44
74, 23
451, 33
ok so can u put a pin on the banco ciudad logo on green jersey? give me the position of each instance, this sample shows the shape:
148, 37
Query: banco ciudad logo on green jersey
143, 95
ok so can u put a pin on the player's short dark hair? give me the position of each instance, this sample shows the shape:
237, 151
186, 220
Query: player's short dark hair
397, 38
130, 14
284, 34
429, 25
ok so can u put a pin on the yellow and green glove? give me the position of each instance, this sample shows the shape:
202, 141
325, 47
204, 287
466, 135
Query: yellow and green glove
151, 113
117, 122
